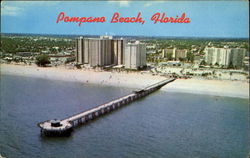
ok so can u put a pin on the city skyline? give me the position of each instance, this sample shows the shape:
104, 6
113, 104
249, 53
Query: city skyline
207, 20
108, 51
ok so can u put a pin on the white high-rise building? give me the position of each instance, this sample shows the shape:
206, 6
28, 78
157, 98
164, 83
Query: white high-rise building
135, 55
225, 56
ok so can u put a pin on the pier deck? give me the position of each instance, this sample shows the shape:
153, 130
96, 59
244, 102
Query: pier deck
65, 126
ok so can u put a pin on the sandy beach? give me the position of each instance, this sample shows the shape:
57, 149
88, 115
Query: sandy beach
237, 89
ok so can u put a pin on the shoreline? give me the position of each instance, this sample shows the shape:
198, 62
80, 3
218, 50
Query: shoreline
238, 89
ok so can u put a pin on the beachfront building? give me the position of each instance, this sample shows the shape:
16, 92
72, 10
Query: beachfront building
237, 56
103, 51
118, 49
246, 63
106, 51
135, 55
94, 51
225, 56
80, 51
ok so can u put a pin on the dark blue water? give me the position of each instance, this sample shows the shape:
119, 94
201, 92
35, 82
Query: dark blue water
164, 124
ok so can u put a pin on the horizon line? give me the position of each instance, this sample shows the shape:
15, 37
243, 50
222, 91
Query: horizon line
128, 35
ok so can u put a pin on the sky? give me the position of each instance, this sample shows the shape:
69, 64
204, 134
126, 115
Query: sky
229, 19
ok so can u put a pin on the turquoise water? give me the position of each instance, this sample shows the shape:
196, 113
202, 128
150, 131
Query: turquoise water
164, 124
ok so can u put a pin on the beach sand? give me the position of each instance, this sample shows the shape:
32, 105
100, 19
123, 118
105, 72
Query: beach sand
238, 89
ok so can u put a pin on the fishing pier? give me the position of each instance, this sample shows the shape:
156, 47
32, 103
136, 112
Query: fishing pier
64, 127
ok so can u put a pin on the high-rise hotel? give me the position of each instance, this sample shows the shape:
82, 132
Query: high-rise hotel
106, 51
96, 51
135, 55
225, 56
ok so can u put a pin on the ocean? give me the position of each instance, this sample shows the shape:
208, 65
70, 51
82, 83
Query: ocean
161, 125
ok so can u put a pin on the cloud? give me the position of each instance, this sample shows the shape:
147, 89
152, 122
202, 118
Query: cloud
121, 3
9, 10
150, 3
17, 8
147, 4
124, 3
38, 3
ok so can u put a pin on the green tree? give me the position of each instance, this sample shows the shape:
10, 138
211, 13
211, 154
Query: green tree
190, 56
169, 56
203, 62
182, 59
42, 60
230, 66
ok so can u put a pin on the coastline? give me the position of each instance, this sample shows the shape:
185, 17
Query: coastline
238, 89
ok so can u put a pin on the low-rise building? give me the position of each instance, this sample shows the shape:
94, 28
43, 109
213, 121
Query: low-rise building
179, 53
174, 53
167, 52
